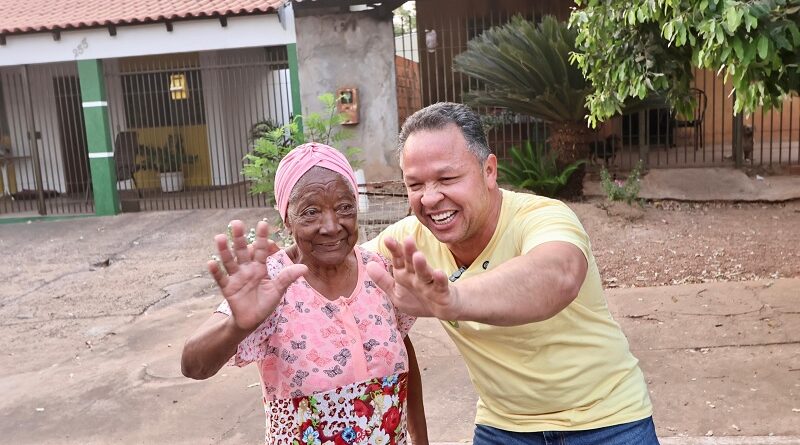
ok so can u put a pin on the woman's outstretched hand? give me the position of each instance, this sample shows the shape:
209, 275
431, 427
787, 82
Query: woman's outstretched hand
243, 278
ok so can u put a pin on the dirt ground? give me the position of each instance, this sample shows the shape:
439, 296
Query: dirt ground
93, 312
669, 242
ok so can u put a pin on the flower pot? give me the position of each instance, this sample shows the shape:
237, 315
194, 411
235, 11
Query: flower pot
172, 181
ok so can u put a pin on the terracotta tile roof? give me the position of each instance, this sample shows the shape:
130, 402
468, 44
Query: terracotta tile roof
24, 16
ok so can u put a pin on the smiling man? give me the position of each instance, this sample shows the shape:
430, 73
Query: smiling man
514, 281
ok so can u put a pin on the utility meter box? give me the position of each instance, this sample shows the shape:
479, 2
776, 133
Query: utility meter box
347, 103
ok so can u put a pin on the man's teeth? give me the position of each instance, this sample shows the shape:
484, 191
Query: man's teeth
444, 217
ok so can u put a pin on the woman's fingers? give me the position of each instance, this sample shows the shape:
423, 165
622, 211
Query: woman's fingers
225, 254
289, 275
239, 242
263, 247
218, 274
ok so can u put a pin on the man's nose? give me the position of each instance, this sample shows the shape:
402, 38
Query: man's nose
431, 197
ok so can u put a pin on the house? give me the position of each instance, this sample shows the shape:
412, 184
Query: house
97, 96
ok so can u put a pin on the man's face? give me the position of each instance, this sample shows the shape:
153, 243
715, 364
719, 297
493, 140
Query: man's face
449, 190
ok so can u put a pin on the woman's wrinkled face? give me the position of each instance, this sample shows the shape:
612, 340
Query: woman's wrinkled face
322, 217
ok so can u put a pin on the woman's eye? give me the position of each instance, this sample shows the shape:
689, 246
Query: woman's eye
310, 212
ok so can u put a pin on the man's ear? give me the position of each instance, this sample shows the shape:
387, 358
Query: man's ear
490, 170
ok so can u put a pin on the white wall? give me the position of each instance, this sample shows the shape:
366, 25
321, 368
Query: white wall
139, 40
354, 50
45, 116
235, 99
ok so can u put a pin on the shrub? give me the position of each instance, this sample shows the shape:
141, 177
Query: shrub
535, 170
271, 143
619, 190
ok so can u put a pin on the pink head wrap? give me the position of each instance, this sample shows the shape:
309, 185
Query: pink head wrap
300, 160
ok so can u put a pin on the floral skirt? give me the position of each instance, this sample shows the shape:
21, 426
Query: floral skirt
372, 412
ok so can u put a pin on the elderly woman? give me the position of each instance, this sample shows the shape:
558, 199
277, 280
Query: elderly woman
335, 362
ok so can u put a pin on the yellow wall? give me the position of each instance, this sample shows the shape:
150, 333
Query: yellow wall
195, 137
12, 179
195, 142
774, 123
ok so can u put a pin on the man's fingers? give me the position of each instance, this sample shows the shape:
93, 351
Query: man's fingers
381, 277
225, 255
218, 274
398, 262
423, 271
409, 248
441, 282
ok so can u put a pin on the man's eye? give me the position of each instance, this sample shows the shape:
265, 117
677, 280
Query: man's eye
414, 186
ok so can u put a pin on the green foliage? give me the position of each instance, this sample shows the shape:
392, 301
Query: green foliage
272, 143
619, 190
167, 159
524, 67
405, 19
533, 169
632, 49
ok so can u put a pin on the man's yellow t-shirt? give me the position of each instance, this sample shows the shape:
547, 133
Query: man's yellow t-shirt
573, 371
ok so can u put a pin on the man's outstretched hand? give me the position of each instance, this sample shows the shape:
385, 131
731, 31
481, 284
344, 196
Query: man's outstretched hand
414, 287
243, 277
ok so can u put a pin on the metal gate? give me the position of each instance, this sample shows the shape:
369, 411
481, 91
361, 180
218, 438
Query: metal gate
182, 123
442, 28
43, 153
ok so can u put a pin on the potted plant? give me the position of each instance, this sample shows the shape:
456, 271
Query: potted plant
169, 162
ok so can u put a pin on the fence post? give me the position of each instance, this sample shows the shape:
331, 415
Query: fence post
98, 137
644, 138
34, 142
294, 81
738, 153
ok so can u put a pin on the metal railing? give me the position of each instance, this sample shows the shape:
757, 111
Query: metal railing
43, 154
657, 136
188, 121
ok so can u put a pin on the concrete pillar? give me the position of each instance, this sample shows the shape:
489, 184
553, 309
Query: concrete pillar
294, 81
98, 137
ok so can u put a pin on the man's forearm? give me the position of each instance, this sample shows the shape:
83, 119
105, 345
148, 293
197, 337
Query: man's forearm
525, 289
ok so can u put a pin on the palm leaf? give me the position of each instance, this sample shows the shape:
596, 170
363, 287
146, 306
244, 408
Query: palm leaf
525, 68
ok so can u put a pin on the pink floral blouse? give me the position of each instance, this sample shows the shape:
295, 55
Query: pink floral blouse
312, 347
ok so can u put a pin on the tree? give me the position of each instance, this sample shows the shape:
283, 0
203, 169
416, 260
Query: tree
524, 67
632, 49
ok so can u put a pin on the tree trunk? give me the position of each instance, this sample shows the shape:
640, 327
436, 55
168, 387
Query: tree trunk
570, 142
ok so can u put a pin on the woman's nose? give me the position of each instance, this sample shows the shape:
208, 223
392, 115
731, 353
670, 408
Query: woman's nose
330, 222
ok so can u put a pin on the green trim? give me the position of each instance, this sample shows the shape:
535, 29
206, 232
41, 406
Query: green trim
27, 219
98, 138
294, 81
